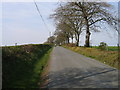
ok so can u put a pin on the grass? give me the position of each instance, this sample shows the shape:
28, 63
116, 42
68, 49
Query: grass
23, 65
109, 57
38, 70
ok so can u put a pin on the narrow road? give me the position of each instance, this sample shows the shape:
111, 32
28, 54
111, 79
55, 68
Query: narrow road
72, 70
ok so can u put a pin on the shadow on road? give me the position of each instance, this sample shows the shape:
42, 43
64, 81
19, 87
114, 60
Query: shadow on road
76, 78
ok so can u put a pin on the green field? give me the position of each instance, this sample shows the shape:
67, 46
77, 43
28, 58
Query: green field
110, 48
23, 65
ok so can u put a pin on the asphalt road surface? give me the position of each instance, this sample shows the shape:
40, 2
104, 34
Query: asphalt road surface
72, 70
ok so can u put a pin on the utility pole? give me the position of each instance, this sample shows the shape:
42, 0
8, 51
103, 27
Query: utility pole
49, 34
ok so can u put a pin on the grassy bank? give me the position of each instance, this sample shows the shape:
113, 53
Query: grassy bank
107, 57
23, 65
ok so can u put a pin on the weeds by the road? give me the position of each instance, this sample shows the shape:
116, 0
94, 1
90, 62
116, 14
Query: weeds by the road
107, 57
23, 65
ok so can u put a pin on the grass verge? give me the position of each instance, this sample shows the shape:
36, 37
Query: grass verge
107, 57
38, 71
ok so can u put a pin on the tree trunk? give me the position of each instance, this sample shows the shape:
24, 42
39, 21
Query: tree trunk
78, 40
72, 39
87, 41
68, 40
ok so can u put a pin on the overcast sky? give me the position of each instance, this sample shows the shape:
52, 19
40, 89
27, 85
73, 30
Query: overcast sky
22, 24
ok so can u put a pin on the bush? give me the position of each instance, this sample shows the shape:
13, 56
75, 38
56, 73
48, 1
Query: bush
103, 46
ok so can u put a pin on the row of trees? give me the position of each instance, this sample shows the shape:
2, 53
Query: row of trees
72, 18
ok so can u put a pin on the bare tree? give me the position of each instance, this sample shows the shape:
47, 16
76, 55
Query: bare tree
60, 38
85, 15
93, 12
68, 23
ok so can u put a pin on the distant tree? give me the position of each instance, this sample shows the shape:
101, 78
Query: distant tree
71, 26
64, 31
51, 40
61, 37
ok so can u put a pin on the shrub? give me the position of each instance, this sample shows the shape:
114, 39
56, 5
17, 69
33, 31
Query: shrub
103, 46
